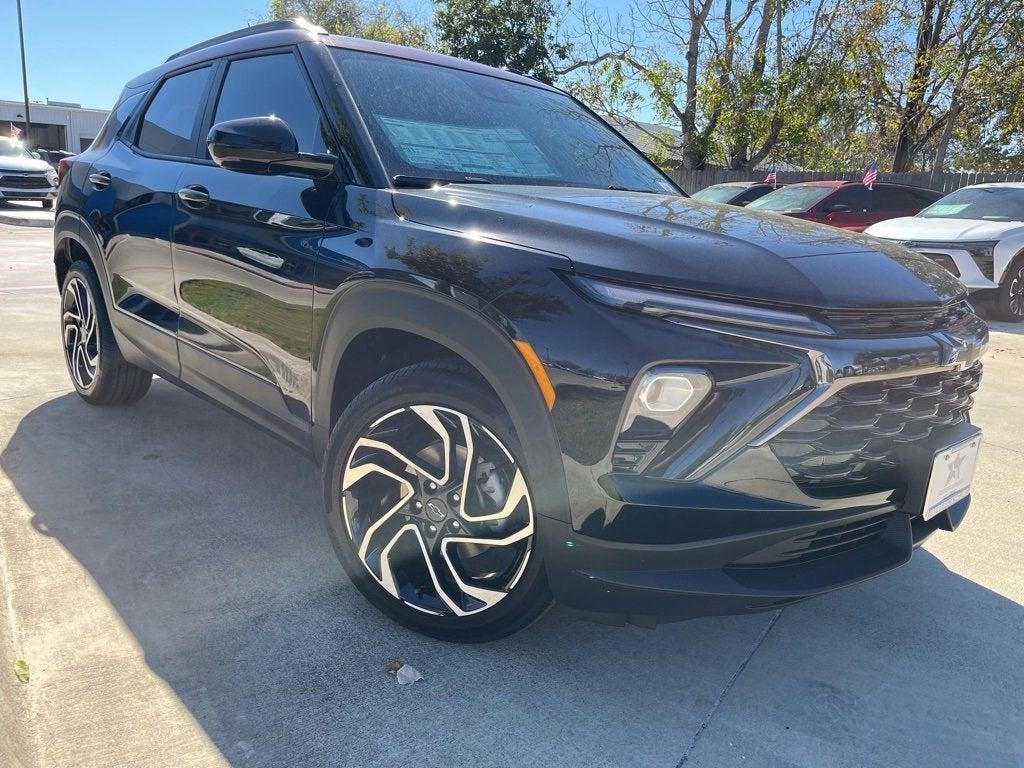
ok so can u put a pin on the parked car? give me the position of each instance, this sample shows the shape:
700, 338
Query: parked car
528, 365
24, 177
53, 156
977, 233
735, 192
846, 204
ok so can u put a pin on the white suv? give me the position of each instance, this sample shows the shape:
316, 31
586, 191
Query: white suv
977, 233
24, 177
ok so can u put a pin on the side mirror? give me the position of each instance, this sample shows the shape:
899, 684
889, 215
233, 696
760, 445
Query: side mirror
838, 208
37, 156
263, 145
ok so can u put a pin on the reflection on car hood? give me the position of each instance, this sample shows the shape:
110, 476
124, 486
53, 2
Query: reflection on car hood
943, 230
689, 244
23, 164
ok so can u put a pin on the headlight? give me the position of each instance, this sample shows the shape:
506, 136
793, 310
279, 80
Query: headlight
668, 304
666, 396
51, 176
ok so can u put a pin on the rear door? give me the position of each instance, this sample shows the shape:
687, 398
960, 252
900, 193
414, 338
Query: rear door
892, 202
245, 250
130, 205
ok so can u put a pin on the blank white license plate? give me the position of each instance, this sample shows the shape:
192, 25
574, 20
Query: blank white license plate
952, 472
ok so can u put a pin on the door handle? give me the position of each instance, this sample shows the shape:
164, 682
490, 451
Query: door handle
194, 196
100, 180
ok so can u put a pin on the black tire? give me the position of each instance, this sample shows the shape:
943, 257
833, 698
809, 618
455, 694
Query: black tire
1008, 300
47, 204
454, 391
111, 380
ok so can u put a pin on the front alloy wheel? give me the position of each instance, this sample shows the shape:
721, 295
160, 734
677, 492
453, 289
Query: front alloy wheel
431, 512
1011, 298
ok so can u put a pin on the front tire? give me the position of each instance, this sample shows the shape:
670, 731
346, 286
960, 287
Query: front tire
429, 509
1008, 301
98, 371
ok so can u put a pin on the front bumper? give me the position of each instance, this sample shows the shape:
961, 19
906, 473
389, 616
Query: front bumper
710, 521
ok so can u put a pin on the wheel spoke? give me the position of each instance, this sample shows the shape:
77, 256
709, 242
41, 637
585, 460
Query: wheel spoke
424, 545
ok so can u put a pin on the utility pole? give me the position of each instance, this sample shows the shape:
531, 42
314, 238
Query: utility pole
24, 78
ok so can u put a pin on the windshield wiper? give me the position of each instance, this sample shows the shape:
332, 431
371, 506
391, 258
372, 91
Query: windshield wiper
426, 182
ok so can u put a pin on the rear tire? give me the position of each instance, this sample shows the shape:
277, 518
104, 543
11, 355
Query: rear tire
1008, 300
423, 473
98, 371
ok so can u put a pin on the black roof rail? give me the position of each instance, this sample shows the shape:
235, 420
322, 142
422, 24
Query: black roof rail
255, 29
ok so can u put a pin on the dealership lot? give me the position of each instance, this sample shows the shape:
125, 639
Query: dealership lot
168, 582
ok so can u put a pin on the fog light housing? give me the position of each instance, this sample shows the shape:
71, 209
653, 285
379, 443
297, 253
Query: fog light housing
666, 396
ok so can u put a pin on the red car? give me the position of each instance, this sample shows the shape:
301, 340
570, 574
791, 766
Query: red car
846, 204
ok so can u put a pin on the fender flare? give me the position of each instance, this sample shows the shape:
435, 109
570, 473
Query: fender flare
71, 226
386, 304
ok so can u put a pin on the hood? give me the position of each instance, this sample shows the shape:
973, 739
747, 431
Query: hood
23, 164
943, 230
677, 242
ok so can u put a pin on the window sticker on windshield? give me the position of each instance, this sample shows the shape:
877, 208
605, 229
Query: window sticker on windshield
947, 209
496, 151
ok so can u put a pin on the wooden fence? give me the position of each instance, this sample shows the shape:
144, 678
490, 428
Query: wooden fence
691, 181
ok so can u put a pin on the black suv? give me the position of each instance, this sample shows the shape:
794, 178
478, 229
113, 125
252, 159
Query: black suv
528, 365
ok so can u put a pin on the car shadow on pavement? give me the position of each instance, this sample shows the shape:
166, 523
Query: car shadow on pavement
207, 538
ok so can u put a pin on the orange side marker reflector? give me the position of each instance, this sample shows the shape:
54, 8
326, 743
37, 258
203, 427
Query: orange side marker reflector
537, 368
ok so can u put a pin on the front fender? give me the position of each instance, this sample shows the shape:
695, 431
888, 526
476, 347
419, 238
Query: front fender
374, 304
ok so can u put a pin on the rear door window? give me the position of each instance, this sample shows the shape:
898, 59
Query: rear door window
169, 124
895, 199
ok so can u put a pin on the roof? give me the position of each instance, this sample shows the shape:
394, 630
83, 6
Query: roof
291, 32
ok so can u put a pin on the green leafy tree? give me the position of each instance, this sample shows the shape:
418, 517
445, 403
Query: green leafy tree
513, 34
384, 21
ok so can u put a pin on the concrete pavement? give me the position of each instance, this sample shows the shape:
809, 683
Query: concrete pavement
167, 578
25, 214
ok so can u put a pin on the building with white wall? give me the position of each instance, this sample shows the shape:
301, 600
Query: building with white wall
55, 124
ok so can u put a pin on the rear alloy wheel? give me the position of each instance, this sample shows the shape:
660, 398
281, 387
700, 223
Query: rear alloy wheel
431, 512
98, 371
1009, 299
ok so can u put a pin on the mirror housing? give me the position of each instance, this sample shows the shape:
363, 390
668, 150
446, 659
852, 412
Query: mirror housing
838, 208
263, 145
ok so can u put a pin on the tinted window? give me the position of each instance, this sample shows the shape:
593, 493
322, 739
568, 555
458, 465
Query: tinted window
858, 199
797, 197
895, 199
442, 123
167, 127
274, 85
116, 119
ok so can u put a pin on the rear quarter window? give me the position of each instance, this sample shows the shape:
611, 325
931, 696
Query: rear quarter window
169, 123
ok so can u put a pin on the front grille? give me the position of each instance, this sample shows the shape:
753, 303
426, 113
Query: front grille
852, 437
890, 322
24, 182
824, 542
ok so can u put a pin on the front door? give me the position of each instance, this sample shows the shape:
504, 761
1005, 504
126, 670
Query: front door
245, 249
850, 208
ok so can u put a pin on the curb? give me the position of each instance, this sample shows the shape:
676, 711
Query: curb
20, 221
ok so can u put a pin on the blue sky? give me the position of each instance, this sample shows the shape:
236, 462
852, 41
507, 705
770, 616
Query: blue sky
76, 53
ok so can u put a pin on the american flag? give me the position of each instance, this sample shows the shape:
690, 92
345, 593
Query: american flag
15, 131
871, 175
772, 177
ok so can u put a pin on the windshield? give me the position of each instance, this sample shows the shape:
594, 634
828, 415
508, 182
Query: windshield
13, 149
432, 122
719, 193
987, 203
792, 198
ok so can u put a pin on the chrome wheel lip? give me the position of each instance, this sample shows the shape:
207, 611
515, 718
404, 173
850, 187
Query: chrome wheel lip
440, 555
80, 333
